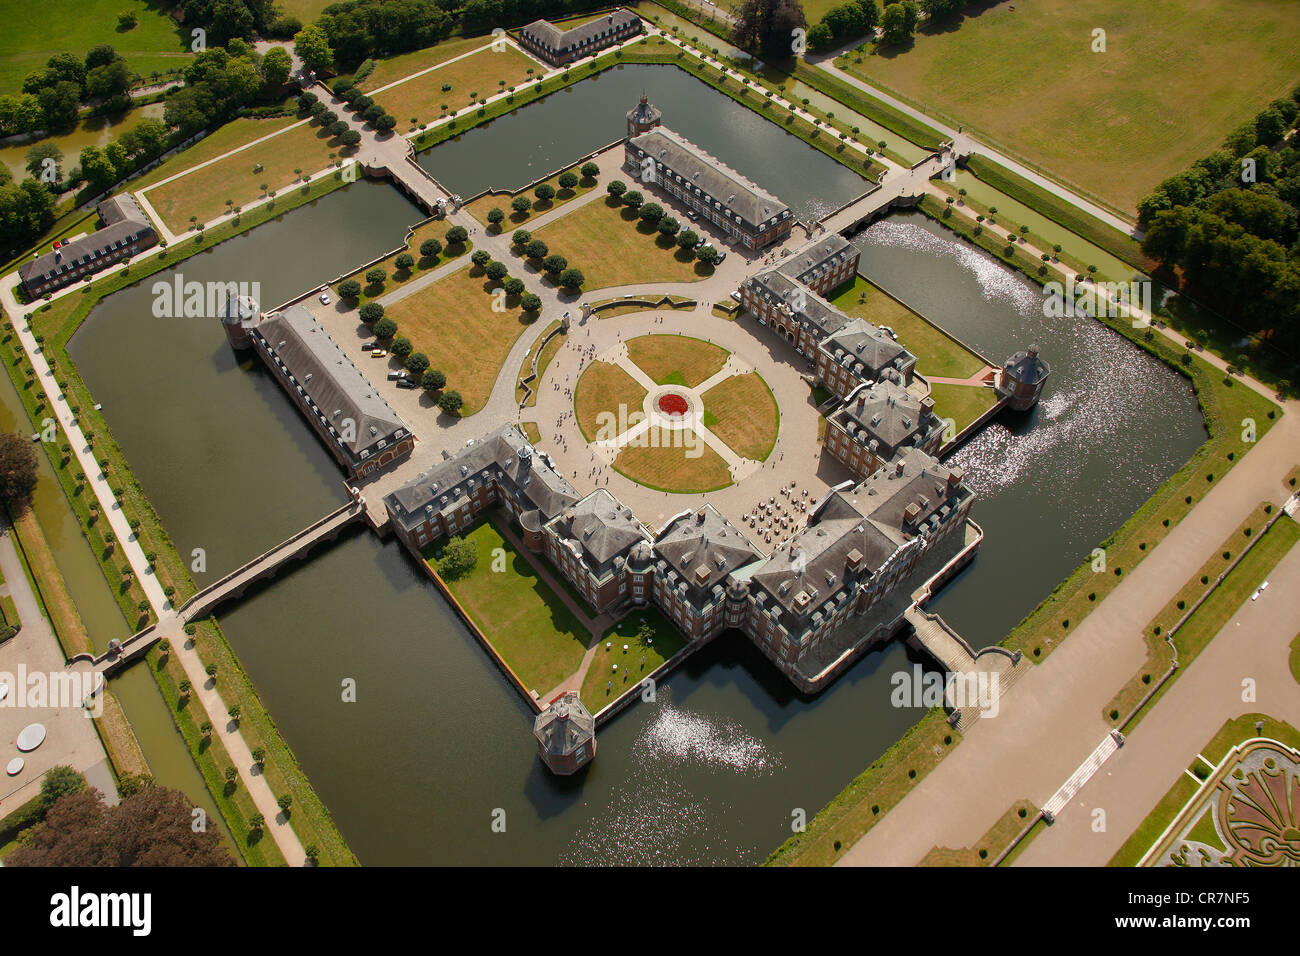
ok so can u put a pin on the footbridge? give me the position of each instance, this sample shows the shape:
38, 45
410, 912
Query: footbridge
232, 586
900, 189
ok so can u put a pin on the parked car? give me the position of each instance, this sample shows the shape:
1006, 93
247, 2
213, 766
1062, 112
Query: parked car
692, 215
407, 383
378, 353
369, 346
396, 374
325, 298
722, 255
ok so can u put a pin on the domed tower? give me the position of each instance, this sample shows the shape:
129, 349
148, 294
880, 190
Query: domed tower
238, 315
566, 735
1021, 378
643, 117
640, 571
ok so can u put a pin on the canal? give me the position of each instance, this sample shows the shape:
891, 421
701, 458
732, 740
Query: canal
436, 742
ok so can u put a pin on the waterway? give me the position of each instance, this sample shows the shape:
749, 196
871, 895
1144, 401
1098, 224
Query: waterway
580, 119
436, 741
1054, 482
95, 131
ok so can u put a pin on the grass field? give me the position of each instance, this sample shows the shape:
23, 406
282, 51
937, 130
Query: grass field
622, 251
33, 32
742, 412
936, 353
676, 359
962, 403
527, 624
666, 642
220, 141
605, 388
452, 322
480, 207
1114, 122
661, 460
203, 193
988, 846
394, 68
423, 97
436, 229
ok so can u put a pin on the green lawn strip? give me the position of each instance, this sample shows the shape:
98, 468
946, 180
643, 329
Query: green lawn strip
308, 816
987, 847
937, 353
1295, 659
397, 279
962, 403
9, 611
896, 121
665, 642
540, 639
212, 759
1121, 246
1210, 618
532, 432
872, 794
526, 366
1230, 734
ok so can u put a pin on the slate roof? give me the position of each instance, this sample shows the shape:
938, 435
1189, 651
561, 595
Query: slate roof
887, 413
86, 250
811, 257
754, 204
864, 344
561, 41
503, 455
1027, 367
645, 113
912, 477
703, 548
602, 528
115, 209
564, 725
337, 388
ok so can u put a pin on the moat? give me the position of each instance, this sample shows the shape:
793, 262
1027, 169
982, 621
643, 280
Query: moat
436, 740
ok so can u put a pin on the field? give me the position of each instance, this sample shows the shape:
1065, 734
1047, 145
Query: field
676, 359
661, 460
604, 388
962, 403
620, 252
480, 207
936, 353
203, 193
453, 323
741, 411
480, 73
527, 624
34, 32
1024, 78
435, 229
667, 641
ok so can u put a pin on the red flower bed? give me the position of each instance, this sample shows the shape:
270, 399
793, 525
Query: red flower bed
673, 404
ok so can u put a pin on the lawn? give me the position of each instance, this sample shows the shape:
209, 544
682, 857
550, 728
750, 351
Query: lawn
741, 411
480, 207
962, 403
604, 389
936, 352
479, 73
1024, 77
434, 229
662, 460
666, 642
34, 32
203, 193
526, 623
676, 359
220, 141
452, 322
612, 248
526, 367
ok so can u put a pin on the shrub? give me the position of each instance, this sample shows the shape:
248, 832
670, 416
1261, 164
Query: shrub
530, 302
432, 380
417, 363
430, 248
521, 237
405, 262
514, 286
457, 235
496, 271
568, 180
384, 329
480, 257
401, 346
451, 402
376, 276
371, 312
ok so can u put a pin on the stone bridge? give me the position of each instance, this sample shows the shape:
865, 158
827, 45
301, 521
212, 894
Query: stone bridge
904, 188
233, 585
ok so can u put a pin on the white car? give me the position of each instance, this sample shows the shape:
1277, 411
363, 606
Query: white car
325, 298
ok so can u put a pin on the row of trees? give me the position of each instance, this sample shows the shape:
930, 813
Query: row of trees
555, 266
687, 240
1231, 225
221, 81
545, 193
51, 97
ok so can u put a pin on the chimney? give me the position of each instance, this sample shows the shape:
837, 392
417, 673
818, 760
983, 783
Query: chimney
898, 469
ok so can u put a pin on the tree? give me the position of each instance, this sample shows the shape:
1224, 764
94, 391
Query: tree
480, 258
531, 302
590, 170
633, 199
59, 782
313, 48
495, 216
898, 22
669, 226
616, 188
544, 192
567, 180
458, 558
417, 363
707, 254
496, 271
404, 262
350, 289
767, 26
688, 239
651, 212
128, 20
521, 204
555, 264
401, 346
457, 235
59, 104
386, 122
37, 165
430, 248
17, 471
432, 380
376, 276
514, 286
572, 279
350, 138
276, 64
384, 329
536, 249
451, 402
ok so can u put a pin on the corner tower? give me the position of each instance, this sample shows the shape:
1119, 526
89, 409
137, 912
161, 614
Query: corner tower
1021, 379
238, 315
643, 117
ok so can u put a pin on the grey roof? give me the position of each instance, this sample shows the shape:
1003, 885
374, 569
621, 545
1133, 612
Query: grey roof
337, 388
560, 41
86, 249
732, 191
645, 113
600, 527
704, 548
887, 413
1027, 367
861, 343
115, 209
503, 455
813, 310
803, 263
912, 477
564, 725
